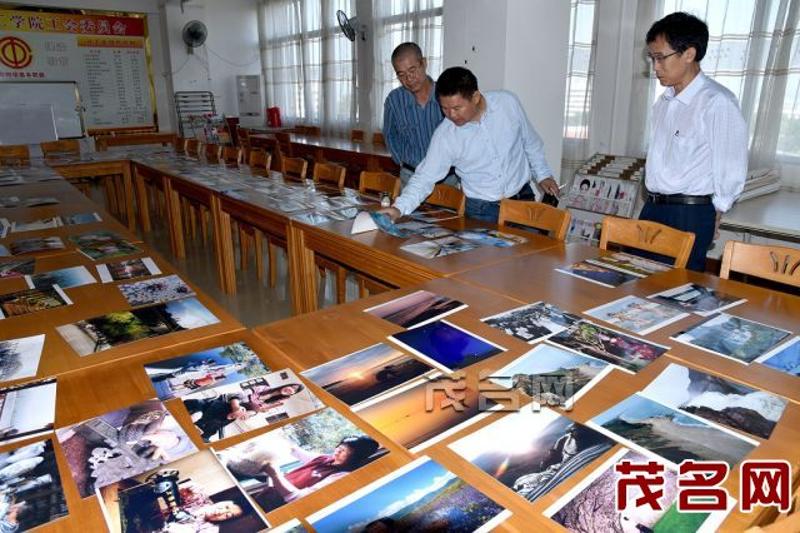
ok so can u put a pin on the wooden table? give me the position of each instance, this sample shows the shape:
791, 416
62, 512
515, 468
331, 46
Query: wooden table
103, 142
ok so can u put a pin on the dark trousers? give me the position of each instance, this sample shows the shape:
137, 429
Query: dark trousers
697, 219
490, 211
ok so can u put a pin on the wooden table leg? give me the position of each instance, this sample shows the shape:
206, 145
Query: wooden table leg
174, 222
302, 272
127, 183
142, 203
223, 247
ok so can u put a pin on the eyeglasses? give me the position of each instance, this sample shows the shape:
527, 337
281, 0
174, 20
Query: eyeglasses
659, 58
410, 73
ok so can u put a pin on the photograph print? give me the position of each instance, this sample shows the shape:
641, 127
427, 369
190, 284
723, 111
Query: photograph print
194, 494
597, 274
155, 290
733, 337
81, 218
31, 494
27, 410
446, 346
16, 268
19, 358
199, 371
35, 245
420, 496
532, 452
694, 298
491, 237
628, 353
416, 309
32, 300
645, 424
116, 445
441, 247
103, 245
637, 314
127, 269
717, 400
631, 264
533, 322
366, 374
35, 225
287, 464
66, 278
785, 358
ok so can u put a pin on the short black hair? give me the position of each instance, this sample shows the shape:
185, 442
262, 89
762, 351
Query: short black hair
407, 48
682, 31
456, 80
362, 447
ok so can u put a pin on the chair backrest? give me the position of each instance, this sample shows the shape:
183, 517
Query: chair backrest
775, 263
259, 160
14, 155
294, 167
213, 152
232, 155
314, 131
180, 145
535, 215
649, 236
243, 136
444, 195
63, 147
284, 143
329, 173
380, 182
357, 136
377, 138
192, 147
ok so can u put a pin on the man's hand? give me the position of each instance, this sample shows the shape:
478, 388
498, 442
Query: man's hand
391, 212
550, 186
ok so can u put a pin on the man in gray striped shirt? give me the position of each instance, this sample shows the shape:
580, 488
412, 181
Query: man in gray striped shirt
411, 112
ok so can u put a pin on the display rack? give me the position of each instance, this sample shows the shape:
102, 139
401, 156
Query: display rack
190, 104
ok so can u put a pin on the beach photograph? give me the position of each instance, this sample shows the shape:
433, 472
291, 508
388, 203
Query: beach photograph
415, 309
66, 278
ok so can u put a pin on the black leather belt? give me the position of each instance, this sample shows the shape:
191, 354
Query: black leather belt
680, 199
525, 193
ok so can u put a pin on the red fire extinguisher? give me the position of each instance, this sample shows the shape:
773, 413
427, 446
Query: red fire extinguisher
274, 117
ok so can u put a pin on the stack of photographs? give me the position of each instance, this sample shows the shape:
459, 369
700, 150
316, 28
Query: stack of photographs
111, 447
491, 237
232, 409
597, 274
155, 291
428, 231
630, 264
531, 323
637, 314
416, 309
785, 358
27, 410
104, 332
434, 216
103, 245
66, 278
648, 426
19, 358
192, 494
420, 496
694, 298
310, 454
32, 300
36, 245
624, 351
439, 247
127, 269
200, 371
366, 374
16, 268
32, 494
733, 337
532, 452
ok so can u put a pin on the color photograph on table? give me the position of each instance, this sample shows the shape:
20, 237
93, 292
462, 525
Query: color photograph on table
420, 496
429, 231
192, 494
694, 298
19, 358
445, 346
199, 371
127, 269
81, 218
597, 274
416, 309
228, 410
717, 400
40, 201
733, 337
35, 225
27, 410
366, 374
491, 237
66, 278
637, 314
104, 332
31, 301
155, 290
624, 351
32, 494
439, 247
103, 245
630, 264
433, 216
551, 375
35, 245
533, 322
648, 426
426, 411
785, 358
16, 268
289, 463
125, 442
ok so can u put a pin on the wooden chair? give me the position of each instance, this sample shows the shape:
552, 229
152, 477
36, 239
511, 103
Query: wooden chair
379, 182
14, 155
63, 147
232, 156
294, 168
284, 143
192, 148
213, 153
535, 215
329, 173
357, 136
180, 145
313, 131
649, 236
243, 136
378, 139
774, 263
444, 195
259, 160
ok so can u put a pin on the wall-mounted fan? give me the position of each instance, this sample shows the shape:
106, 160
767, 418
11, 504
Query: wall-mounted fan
350, 26
194, 34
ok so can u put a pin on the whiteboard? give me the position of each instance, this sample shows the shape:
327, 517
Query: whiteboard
62, 95
33, 124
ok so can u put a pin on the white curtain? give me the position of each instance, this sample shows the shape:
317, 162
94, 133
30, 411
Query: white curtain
308, 64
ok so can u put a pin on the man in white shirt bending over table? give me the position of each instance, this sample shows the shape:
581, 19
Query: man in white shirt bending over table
490, 142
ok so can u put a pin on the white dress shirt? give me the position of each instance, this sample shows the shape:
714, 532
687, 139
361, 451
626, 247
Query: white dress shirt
698, 143
494, 156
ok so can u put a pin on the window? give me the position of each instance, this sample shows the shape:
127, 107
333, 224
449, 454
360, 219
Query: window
580, 70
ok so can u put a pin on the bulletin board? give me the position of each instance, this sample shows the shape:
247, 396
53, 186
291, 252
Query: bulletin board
106, 54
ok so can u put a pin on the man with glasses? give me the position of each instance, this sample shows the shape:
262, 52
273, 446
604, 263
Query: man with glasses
411, 113
697, 152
